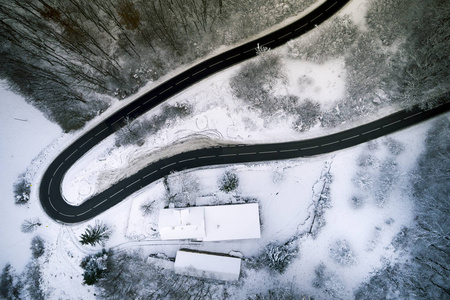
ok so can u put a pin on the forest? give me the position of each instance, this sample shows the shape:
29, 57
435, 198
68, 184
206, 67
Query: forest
68, 58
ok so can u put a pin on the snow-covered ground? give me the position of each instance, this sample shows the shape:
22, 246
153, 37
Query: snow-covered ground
284, 189
26, 139
24, 132
217, 117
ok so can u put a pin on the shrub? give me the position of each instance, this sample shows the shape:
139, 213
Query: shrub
22, 190
332, 40
135, 132
254, 82
357, 201
37, 247
229, 182
329, 282
307, 114
395, 147
341, 253
386, 179
33, 279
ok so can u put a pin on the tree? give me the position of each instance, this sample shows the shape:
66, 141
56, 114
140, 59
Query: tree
37, 247
128, 276
255, 81
22, 190
229, 182
10, 284
33, 281
30, 225
280, 292
278, 257
94, 266
148, 207
182, 189
96, 234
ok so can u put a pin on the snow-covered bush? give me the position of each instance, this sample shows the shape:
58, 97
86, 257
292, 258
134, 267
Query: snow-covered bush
278, 175
280, 292
388, 174
395, 147
33, 281
332, 40
96, 234
135, 132
22, 190
307, 114
37, 247
366, 160
182, 188
357, 201
329, 283
255, 81
342, 253
94, 266
278, 257
228, 182
364, 180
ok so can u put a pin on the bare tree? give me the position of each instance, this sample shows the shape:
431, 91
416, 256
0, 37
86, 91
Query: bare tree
30, 225
148, 207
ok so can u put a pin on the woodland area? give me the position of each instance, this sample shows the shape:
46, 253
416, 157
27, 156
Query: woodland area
426, 275
400, 58
69, 57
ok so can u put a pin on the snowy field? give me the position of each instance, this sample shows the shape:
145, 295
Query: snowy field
285, 190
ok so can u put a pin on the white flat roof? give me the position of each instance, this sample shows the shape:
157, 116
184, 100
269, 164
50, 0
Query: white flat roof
232, 222
211, 223
207, 265
184, 223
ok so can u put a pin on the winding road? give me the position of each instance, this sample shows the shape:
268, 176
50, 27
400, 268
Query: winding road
50, 193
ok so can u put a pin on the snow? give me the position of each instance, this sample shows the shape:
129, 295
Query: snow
24, 132
186, 223
207, 265
357, 11
232, 222
327, 81
210, 223
284, 189
28, 142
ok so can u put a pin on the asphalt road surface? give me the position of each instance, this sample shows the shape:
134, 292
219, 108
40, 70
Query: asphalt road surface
57, 208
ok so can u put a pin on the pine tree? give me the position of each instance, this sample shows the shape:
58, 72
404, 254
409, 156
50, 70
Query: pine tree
95, 234
229, 182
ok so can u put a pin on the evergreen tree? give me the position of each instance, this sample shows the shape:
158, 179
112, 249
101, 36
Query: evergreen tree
94, 266
10, 285
229, 182
95, 234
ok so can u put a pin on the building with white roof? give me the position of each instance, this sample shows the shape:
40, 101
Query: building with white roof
211, 223
185, 223
207, 265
